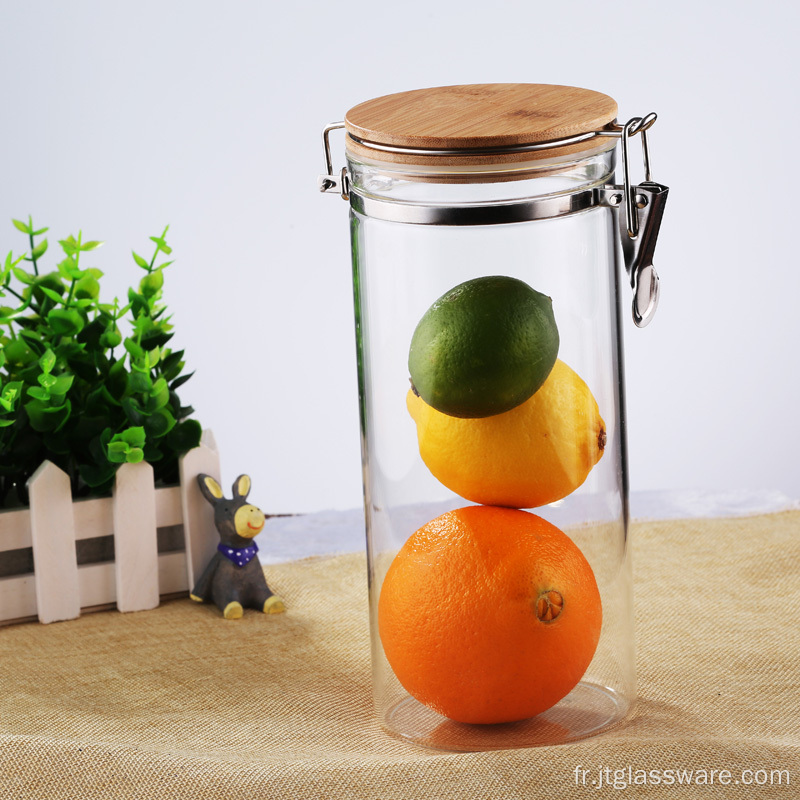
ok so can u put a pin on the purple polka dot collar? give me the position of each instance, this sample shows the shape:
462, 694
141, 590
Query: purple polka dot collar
239, 555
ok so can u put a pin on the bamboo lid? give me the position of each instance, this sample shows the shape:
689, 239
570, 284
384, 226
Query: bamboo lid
489, 115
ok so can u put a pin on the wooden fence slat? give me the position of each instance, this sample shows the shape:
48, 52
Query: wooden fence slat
93, 517
135, 538
53, 540
168, 506
199, 532
98, 582
15, 529
17, 597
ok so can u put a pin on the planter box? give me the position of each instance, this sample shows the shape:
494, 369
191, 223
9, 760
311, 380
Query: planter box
62, 557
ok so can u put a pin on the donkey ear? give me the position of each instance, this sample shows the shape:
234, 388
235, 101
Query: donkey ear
241, 487
211, 490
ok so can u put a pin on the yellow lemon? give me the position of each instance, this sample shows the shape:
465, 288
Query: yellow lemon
532, 455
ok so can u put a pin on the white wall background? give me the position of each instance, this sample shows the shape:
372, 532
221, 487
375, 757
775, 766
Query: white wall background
120, 117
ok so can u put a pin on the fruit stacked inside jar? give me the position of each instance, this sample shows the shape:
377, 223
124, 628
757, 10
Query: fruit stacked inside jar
489, 613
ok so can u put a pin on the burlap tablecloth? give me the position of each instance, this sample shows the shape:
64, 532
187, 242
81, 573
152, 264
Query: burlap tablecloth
178, 703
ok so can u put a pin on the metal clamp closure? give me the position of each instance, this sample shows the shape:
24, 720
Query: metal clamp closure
640, 223
649, 200
330, 183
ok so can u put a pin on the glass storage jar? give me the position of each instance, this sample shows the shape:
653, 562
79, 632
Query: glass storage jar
489, 238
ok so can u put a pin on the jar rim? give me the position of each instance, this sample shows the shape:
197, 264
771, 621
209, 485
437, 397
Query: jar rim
528, 164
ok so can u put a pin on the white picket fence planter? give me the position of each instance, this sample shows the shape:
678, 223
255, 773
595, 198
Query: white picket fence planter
59, 588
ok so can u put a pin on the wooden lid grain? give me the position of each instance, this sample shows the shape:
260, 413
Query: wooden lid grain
490, 115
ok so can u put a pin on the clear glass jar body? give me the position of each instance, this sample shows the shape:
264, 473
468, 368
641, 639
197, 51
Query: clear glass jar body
399, 270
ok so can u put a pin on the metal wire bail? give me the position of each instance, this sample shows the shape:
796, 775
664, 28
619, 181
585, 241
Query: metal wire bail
631, 128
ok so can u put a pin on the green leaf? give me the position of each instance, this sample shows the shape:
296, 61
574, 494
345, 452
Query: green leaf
159, 424
117, 382
118, 452
155, 337
111, 338
151, 284
135, 455
185, 436
18, 353
161, 244
140, 261
92, 245
172, 372
91, 333
11, 262
135, 350
51, 280
40, 231
98, 447
133, 411
158, 397
140, 382
33, 338
95, 475
21, 226
44, 418
46, 381
69, 245
135, 436
54, 296
4, 423
65, 321
23, 276
180, 381
138, 304
67, 407
13, 389
171, 358
62, 384
47, 361
39, 250
87, 288
152, 453
153, 357
39, 393
68, 269
11, 395
99, 403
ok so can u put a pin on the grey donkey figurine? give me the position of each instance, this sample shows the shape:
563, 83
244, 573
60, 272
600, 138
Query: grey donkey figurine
234, 579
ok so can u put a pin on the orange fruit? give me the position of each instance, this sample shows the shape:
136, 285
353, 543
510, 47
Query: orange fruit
489, 615
532, 455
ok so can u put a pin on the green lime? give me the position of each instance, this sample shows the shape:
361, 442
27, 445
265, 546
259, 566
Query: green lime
484, 347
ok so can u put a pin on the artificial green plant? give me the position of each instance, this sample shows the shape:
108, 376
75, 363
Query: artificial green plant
73, 388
